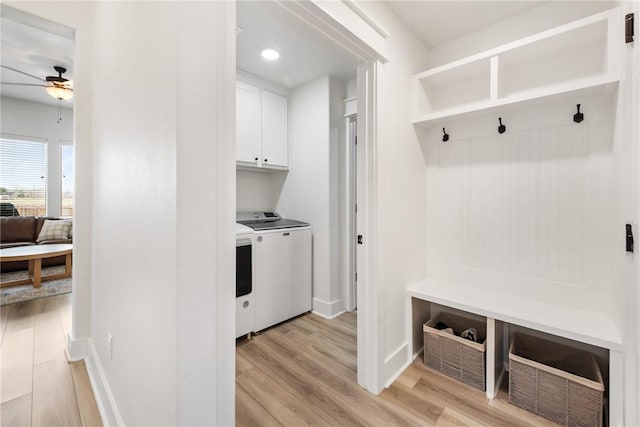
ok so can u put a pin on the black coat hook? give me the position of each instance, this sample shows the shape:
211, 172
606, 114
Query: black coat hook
445, 136
502, 128
578, 117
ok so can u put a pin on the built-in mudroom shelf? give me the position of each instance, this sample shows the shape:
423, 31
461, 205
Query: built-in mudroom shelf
574, 60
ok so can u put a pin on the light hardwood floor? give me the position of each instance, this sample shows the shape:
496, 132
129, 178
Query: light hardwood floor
303, 372
38, 387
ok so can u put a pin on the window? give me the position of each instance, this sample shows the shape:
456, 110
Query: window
23, 176
66, 179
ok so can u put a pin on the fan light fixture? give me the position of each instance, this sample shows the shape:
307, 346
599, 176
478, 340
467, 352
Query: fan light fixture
59, 87
59, 92
270, 54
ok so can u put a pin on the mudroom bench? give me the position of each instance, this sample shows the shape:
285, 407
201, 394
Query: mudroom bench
564, 321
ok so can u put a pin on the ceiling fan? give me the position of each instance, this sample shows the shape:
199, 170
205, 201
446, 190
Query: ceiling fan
56, 86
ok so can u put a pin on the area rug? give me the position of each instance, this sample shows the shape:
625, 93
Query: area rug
21, 293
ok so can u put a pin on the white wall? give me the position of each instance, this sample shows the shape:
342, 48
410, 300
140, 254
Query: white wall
257, 191
401, 196
305, 192
158, 159
32, 120
156, 155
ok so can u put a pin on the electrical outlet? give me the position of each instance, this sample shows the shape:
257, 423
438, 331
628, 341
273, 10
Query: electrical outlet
110, 345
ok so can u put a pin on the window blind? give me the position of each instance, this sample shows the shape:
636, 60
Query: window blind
23, 176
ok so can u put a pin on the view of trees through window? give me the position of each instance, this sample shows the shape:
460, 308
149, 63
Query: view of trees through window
23, 176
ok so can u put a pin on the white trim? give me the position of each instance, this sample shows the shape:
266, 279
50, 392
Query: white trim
328, 309
367, 291
21, 138
107, 406
77, 348
366, 18
329, 317
396, 358
322, 17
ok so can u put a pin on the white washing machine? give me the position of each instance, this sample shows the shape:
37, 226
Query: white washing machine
245, 310
282, 267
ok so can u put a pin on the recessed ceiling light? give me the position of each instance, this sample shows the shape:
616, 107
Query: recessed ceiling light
270, 54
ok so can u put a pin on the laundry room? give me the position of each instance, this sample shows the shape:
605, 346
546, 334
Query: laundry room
294, 174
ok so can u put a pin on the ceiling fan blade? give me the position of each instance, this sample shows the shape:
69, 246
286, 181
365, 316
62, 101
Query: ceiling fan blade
22, 72
22, 84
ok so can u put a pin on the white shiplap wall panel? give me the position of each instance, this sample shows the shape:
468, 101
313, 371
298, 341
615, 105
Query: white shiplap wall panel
533, 205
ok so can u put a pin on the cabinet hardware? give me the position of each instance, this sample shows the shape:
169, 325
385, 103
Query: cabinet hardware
628, 28
256, 159
285, 234
629, 238
359, 239
266, 160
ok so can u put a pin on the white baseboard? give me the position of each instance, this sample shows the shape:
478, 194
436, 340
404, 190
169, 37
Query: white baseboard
396, 363
101, 389
328, 310
77, 348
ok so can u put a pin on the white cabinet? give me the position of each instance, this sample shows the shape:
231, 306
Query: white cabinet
261, 128
248, 119
275, 151
282, 275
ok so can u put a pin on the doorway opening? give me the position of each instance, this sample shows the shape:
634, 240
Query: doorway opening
311, 175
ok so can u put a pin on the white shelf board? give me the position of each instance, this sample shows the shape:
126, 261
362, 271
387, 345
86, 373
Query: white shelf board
604, 84
588, 327
606, 15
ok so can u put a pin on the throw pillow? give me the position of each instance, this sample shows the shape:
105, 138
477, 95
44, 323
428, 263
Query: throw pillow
54, 230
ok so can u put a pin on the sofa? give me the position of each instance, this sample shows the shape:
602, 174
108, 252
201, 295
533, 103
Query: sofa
24, 231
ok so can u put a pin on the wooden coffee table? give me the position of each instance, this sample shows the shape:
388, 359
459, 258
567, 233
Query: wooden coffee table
35, 254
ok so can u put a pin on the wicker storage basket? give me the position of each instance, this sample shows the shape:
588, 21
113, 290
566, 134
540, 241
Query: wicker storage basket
559, 383
456, 357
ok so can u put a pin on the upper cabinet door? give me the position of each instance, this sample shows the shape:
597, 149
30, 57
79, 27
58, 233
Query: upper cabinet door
275, 141
247, 123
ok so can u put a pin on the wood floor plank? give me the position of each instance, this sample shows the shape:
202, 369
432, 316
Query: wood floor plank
249, 413
54, 398
339, 412
282, 405
242, 363
16, 412
48, 337
466, 401
403, 396
285, 372
65, 309
87, 406
410, 376
21, 317
453, 418
16, 364
4, 318
345, 387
